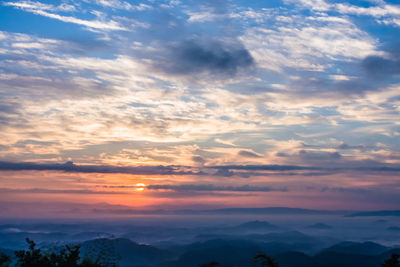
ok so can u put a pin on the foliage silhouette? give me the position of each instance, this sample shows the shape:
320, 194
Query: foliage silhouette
67, 257
4, 260
265, 260
392, 262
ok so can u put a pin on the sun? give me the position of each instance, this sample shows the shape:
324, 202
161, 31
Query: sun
140, 187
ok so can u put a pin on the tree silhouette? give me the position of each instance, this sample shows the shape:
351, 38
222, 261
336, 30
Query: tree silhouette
392, 262
265, 260
4, 260
32, 257
67, 257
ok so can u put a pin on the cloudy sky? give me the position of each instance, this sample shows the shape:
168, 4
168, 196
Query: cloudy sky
199, 104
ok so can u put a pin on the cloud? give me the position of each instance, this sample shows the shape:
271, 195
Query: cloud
198, 159
40, 9
344, 190
382, 12
316, 158
344, 146
379, 66
248, 154
264, 167
319, 155
57, 191
309, 44
71, 167
209, 187
194, 56
374, 11
116, 4
38, 5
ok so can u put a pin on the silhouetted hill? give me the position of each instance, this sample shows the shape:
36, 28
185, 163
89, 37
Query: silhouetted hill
239, 253
295, 259
256, 226
289, 240
267, 210
334, 259
319, 226
292, 237
7, 252
16, 240
124, 252
228, 253
366, 248
269, 247
288, 248
376, 213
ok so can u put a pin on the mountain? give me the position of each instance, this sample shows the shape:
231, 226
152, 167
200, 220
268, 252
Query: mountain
319, 226
227, 253
366, 248
256, 226
267, 210
5, 251
240, 253
285, 241
287, 248
375, 213
123, 252
334, 259
295, 259
16, 240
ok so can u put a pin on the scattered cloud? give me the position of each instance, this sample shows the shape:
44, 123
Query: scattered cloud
71, 167
248, 154
210, 187
191, 57
42, 10
190, 97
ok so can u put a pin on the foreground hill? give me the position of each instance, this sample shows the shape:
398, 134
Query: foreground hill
230, 253
124, 252
238, 254
366, 248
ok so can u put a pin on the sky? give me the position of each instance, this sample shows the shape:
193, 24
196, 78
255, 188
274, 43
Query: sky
109, 106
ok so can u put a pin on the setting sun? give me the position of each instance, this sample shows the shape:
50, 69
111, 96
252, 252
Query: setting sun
140, 187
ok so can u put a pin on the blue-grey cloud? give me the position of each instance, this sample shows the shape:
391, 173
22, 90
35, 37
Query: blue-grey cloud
379, 66
243, 171
319, 155
57, 191
343, 190
198, 159
248, 154
272, 167
210, 187
196, 56
345, 146
71, 167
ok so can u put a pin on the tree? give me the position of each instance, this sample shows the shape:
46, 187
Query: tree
265, 260
392, 262
32, 257
4, 260
67, 257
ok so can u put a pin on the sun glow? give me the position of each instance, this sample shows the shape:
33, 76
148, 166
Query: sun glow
140, 187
